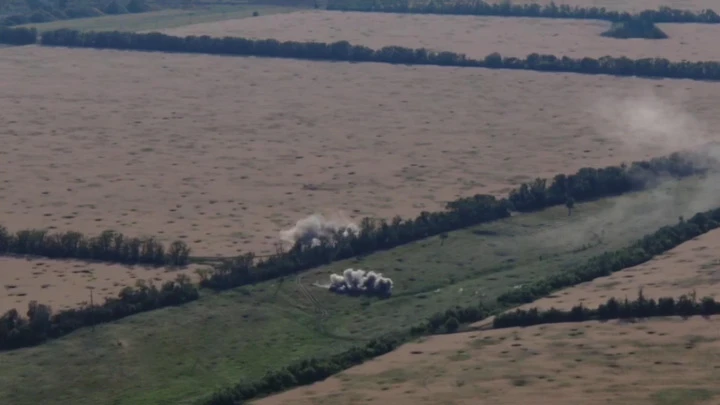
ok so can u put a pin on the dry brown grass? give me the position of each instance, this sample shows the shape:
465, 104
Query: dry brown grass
473, 36
660, 361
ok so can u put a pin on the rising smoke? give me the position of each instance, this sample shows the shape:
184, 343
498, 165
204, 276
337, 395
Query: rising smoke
655, 126
358, 281
315, 229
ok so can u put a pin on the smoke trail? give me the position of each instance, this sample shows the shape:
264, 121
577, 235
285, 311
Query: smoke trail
358, 281
315, 229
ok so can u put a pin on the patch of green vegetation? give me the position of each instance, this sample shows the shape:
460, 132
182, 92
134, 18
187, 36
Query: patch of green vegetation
179, 355
163, 19
681, 396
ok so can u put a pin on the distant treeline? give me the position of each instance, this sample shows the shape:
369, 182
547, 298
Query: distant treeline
376, 235
344, 51
312, 370
40, 324
507, 9
641, 307
109, 246
42, 12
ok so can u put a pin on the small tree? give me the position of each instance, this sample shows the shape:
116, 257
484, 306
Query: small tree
570, 204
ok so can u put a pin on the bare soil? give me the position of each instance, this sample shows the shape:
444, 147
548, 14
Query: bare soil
476, 37
659, 361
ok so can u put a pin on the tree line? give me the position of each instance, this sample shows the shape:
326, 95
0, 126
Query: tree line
109, 246
586, 184
312, 370
376, 235
41, 12
18, 36
41, 324
641, 307
507, 9
639, 252
344, 51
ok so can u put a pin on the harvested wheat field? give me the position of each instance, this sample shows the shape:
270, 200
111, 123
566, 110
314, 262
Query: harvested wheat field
225, 152
658, 361
632, 6
64, 284
476, 37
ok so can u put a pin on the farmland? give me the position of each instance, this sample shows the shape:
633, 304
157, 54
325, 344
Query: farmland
264, 162
660, 361
201, 160
271, 324
476, 37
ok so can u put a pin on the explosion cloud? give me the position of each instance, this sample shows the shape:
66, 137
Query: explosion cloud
358, 281
314, 229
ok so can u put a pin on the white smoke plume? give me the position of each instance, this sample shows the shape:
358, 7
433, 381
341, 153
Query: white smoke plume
358, 281
656, 126
312, 230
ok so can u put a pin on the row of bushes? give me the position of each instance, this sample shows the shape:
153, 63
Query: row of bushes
109, 246
41, 324
344, 51
375, 235
639, 252
507, 9
313, 370
47, 12
641, 307
18, 36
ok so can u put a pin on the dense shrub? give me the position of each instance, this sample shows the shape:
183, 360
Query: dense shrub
613, 309
634, 28
109, 246
40, 324
507, 9
114, 8
586, 184
639, 252
18, 36
41, 16
137, 6
344, 51
83, 12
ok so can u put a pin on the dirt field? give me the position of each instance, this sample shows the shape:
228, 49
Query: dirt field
64, 284
473, 36
225, 152
661, 361
635, 5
